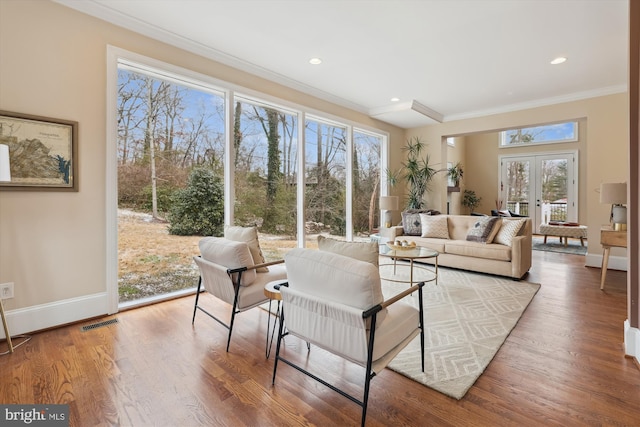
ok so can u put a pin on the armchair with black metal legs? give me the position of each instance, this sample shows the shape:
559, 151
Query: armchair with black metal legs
336, 303
227, 272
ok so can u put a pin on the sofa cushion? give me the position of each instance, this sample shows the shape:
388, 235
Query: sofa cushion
508, 230
430, 243
434, 226
411, 224
229, 254
249, 235
363, 251
478, 250
482, 229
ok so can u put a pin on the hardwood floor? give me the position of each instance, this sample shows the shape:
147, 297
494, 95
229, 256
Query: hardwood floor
563, 364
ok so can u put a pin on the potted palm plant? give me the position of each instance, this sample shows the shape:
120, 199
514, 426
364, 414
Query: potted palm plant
417, 172
455, 173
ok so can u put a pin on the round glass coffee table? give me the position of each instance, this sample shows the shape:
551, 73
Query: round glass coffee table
417, 273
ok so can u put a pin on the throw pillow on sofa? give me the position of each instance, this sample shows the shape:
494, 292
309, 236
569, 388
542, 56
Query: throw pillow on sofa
363, 251
483, 230
509, 229
434, 226
411, 223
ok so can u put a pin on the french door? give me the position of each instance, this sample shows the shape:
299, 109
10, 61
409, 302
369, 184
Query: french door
541, 186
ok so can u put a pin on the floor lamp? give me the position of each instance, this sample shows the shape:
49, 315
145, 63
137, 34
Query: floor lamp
5, 176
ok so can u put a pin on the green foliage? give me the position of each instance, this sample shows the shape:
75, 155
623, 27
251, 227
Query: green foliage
198, 209
470, 200
164, 193
456, 173
416, 171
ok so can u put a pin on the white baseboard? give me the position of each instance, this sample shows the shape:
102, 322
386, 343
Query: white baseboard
43, 316
615, 262
631, 341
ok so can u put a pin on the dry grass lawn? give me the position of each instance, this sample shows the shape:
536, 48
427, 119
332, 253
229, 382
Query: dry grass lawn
153, 262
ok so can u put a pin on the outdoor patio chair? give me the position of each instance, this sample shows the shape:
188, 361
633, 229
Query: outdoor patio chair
336, 303
227, 271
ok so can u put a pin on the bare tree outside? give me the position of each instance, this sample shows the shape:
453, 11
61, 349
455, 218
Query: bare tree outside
168, 130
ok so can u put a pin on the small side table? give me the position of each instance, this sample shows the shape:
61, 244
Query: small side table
272, 291
610, 238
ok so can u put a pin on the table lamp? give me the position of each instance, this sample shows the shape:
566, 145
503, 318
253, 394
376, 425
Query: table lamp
388, 204
616, 195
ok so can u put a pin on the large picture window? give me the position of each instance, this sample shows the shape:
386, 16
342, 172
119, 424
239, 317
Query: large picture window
325, 179
265, 163
223, 157
545, 134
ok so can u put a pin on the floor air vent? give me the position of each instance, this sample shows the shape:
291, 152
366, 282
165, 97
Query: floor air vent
99, 325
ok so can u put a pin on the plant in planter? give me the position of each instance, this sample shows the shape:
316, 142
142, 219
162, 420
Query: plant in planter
417, 172
470, 200
456, 173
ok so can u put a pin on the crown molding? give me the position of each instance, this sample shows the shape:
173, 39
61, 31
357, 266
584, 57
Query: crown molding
577, 96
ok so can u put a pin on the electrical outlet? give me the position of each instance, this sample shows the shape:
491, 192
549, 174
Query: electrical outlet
6, 290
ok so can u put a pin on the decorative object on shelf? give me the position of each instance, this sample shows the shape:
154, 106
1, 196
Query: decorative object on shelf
615, 194
388, 204
470, 200
43, 152
417, 172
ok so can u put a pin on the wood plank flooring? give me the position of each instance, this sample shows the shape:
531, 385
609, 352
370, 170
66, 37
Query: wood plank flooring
563, 365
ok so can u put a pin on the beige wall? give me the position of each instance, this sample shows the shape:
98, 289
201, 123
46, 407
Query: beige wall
53, 64
603, 151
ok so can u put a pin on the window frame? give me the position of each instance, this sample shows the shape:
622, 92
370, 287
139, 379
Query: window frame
230, 92
575, 138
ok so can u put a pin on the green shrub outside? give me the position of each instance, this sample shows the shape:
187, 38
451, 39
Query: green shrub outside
198, 209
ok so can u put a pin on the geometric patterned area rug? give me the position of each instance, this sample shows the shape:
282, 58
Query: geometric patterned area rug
467, 318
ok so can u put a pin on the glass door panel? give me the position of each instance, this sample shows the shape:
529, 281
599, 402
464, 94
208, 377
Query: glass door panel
542, 187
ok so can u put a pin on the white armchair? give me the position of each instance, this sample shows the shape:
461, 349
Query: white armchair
336, 303
227, 271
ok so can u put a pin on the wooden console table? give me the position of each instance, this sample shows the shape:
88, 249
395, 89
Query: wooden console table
610, 238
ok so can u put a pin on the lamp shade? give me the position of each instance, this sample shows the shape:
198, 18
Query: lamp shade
389, 203
5, 170
613, 193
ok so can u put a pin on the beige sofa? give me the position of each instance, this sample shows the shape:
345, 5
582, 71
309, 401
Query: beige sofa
509, 256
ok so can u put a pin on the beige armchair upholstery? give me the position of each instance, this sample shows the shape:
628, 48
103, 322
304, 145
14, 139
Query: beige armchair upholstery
336, 303
227, 271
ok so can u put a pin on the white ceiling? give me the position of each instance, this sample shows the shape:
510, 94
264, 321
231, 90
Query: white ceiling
450, 59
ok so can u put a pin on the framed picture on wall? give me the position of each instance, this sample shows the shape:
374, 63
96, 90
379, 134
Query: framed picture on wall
43, 152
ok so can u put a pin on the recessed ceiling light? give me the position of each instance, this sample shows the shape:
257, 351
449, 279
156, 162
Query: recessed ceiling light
315, 61
394, 99
558, 60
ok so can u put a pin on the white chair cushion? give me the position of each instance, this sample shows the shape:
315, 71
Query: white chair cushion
335, 278
229, 254
253, 295
364, 251
249, 235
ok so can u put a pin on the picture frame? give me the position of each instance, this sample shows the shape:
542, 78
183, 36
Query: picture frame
43, 152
